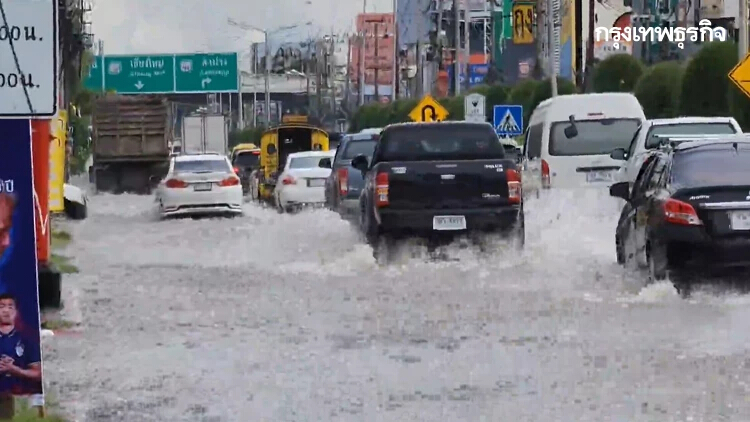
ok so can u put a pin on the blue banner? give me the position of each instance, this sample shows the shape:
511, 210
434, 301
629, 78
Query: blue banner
20, 351
477, 73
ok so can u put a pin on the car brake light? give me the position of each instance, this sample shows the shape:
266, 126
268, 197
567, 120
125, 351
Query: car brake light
230, 181
546, 182
678, 212
381, 189
514, 186
289, 180
255, 152
343, 181
176, 184
236, 170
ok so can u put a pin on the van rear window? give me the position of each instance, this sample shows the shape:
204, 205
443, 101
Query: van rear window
595, 137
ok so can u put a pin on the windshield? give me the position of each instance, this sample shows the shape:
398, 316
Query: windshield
595, 137
717, 166
355, 148
687, 129
201, 166
246, 159
436, 142
306, 162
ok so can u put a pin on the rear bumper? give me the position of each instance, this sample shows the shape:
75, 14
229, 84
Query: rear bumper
693, 247
294, 195
477, 219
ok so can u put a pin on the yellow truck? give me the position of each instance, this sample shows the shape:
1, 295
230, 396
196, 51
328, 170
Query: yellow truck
275, 146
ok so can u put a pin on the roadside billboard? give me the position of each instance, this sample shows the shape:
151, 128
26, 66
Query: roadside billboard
20, 351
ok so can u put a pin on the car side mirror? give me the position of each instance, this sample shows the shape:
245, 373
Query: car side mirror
325, 163
271, 149
618, 154
620, 190
360, 163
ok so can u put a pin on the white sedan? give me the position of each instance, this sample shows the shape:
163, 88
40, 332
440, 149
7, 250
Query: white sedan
303, 180
199, 184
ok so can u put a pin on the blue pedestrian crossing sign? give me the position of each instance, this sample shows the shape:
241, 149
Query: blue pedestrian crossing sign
508, 120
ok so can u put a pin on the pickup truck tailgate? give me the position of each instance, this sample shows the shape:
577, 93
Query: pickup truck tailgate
447, 184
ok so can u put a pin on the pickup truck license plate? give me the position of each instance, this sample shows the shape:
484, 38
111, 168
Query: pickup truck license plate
739, 220
202, 187
449, 222
316, 183
600, 176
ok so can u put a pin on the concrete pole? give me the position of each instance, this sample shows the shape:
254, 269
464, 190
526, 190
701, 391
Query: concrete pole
457, 50
467, 38
743, 41
267, 78
394, 71
551, 46
362, 43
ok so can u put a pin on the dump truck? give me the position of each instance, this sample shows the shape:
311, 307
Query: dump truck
131, 142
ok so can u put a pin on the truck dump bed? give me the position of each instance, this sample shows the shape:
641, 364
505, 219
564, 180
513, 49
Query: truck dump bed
131, 128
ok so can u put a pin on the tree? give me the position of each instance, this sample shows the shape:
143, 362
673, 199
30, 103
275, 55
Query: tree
705, 85
658, 90
617, 73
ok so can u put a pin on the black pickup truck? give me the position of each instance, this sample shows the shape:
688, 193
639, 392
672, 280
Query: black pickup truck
437, 179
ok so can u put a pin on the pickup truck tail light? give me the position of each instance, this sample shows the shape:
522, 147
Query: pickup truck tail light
546, 181
176, 184
678, 212
381, 189
343, 181
230, 181
236, 170
289, 180
514, 186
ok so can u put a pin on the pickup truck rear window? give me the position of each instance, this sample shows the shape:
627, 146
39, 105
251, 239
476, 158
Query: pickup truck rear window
711, 166
460, 142
595, 137
201, 166
652, 141
354, 148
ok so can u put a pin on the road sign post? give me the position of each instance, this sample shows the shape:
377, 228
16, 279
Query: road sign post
28, 59
508, 120
165, 74
428, 110
740, 75
474, 108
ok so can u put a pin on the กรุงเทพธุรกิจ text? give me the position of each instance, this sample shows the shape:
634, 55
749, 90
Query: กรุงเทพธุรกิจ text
679, 35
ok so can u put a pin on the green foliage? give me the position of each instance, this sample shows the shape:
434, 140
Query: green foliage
543, 91
81, 145
523, 94
705, 85
658, 90
617, 73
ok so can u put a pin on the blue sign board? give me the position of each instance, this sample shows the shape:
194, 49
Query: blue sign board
20, 351
477, 73
508, 120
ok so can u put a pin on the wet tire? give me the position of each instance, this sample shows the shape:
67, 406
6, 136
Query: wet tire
280, 209
519, 235
656, 256
619, 250
75, 211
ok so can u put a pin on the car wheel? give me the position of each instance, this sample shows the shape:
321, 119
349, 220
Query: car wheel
519, 235
619, 250
656, 257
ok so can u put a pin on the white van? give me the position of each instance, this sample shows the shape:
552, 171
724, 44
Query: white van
569, 139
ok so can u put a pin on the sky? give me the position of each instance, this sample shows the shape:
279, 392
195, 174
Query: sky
184, 26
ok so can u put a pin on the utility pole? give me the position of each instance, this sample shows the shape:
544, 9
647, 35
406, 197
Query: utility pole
347, 82
590, 45
394, 67
420, 70
467, 35
377, 63
743, 40
362, 35
552, 46
255, 87
457, 49
267, 81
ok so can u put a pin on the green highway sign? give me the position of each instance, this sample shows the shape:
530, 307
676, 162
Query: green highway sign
139, 74
206, 73
164, 73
